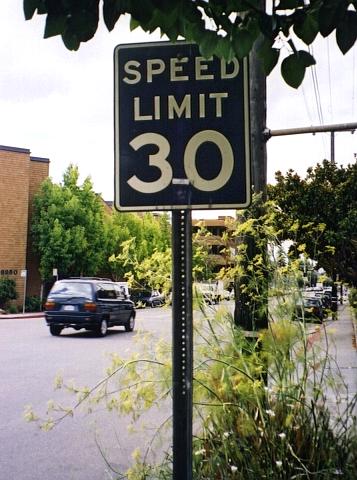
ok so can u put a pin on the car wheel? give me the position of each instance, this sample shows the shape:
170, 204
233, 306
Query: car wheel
129, 326
102, 328
55, 330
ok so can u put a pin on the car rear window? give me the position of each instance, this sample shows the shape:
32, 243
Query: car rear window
311, 302
72, 289
107, 291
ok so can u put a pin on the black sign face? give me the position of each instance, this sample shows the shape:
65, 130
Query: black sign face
181, 129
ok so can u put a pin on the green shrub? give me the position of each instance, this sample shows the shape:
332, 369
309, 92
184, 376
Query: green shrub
12, 309
33, 304
7, 291
352, 298
282, 428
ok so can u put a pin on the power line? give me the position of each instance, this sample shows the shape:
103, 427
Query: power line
306, 104
329, 77
317, 97
353, 81
316, 90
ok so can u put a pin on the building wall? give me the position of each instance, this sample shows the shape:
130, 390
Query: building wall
20, 176
38, 173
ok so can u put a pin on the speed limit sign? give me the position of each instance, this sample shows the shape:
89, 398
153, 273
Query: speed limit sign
181, 129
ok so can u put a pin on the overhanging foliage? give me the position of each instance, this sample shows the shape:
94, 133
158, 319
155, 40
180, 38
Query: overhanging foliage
224, 28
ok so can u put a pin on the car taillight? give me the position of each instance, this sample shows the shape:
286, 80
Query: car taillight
50, 305
90, 307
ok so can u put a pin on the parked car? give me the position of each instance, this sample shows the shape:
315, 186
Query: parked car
147, 298
324, 294
327, 299
124, 287
309, 308
91, 303
208, 292
227, 295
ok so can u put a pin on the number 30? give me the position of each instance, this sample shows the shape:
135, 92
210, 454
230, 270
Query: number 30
159, 160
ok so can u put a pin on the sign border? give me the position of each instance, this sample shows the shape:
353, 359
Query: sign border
117, 139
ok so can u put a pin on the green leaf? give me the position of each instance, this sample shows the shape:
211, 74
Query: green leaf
251, 23
288, 4
83, 24
30, 7
306, 28
172, 33
55, 25
346, 32
224, 49
193, 31
306, 58
292, 71
111, 13
208, 44
42, 7
71, 41
169, 23
166, 6
268, 55
243, 41
293, 67
270, 60
329, 16
133, 23
142, 11
266, 24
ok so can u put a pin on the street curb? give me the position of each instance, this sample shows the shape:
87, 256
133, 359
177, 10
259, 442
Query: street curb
354, 325
21, 316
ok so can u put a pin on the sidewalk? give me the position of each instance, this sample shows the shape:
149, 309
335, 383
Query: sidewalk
342, 346
21, 316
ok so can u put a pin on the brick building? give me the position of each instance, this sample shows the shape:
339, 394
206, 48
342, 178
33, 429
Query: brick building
20, 178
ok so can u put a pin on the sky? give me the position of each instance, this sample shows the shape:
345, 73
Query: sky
59, 104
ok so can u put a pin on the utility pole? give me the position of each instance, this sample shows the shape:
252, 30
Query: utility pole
257, 82
246, 306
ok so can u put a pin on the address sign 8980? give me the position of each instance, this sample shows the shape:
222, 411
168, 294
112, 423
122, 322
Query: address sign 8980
181, 129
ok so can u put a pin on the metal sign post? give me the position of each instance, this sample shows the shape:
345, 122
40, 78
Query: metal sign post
181, 142
24, 275
182, 340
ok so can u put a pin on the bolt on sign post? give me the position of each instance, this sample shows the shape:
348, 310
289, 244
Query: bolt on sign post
181, 143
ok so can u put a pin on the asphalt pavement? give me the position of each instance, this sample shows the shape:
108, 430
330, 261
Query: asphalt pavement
29, 360
76, 449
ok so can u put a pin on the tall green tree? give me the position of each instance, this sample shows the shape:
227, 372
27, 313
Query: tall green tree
146, 234
68, 227
319, 213
223, 28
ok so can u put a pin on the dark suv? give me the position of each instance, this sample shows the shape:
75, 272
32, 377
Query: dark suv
91, 303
